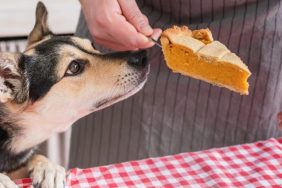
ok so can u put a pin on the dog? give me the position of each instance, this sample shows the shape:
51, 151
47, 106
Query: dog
44, 90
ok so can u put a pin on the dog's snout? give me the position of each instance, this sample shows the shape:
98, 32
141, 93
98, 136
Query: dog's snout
138, 58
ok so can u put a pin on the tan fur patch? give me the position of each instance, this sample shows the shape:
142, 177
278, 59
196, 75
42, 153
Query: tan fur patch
12, 81
103, 82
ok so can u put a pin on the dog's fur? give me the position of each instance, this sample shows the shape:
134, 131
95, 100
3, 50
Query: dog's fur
44, 90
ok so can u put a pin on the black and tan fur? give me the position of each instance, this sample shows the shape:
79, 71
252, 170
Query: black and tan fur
44, 90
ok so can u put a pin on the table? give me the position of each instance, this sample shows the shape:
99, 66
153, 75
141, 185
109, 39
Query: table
250, 165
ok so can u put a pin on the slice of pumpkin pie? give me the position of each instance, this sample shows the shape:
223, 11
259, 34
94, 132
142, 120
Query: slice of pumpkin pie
196, 54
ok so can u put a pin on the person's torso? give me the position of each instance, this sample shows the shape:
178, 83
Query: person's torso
175, 113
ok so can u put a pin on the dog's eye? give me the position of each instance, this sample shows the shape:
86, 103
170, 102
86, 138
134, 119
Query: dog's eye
75, 68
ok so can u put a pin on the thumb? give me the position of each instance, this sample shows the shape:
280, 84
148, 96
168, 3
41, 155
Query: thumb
132, 13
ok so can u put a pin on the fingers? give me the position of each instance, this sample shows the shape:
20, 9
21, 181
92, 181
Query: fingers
126, 37
111, 44
134, 16
118, 24
115, 45
156, 34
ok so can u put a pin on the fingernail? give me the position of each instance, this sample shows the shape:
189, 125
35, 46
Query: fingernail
157, 33
145, 39
155, 38
147, 30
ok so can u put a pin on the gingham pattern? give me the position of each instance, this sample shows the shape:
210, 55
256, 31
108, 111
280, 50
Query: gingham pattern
250, 165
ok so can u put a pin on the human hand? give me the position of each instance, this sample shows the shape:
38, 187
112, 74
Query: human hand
280, 119
118, 24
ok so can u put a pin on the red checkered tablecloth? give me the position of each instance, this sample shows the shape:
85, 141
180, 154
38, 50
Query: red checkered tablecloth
249, 165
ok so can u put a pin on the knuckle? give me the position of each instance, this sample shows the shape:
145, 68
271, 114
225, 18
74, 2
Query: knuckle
145, 18
94, 33
142, 23
100, 20
133, 41
136, 16
133, 16
103, 19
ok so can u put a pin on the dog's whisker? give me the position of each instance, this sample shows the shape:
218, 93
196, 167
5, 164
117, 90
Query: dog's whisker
111, 92
54, 82
114, 76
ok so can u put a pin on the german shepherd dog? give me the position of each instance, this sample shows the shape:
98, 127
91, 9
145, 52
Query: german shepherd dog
45, 89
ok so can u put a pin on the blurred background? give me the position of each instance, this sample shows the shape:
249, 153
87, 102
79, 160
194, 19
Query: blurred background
17, 18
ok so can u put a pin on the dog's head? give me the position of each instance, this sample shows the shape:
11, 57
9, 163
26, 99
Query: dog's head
62, 78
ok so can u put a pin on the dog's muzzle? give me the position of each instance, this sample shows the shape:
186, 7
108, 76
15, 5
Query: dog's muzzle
138, 59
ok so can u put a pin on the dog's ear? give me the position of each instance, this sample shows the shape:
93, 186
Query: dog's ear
41, 28
13, 82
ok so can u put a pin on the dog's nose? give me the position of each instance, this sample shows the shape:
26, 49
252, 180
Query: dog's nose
138, 58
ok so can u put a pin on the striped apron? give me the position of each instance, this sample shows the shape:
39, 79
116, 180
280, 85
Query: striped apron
174, 113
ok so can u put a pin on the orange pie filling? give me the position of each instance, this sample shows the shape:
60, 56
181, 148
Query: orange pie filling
208, 61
